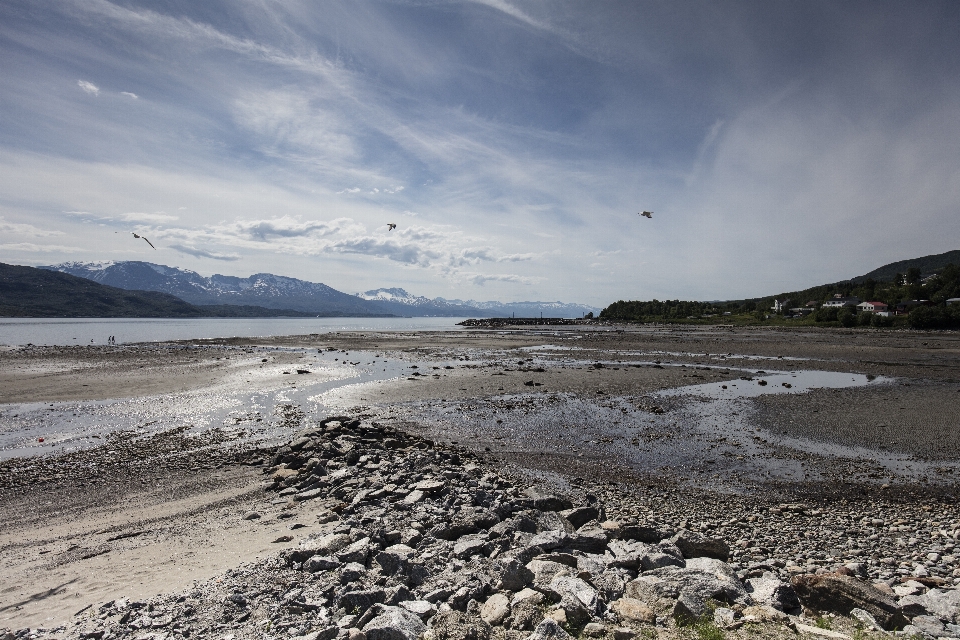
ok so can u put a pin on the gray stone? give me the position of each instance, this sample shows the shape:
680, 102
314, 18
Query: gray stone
771, 591
942, 603
548, 629
471, 545
645, 557
579, 516
323, 546
251, 515
633, 610
356, 552
457, 625
514, 575
544, 570
394, 623
545, 500
495, 610
841, 594
425, 610
929, 625
689, 608
320, 563
359, 601
576, 590
696, 545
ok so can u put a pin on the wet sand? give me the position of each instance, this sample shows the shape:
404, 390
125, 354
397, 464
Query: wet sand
65, 517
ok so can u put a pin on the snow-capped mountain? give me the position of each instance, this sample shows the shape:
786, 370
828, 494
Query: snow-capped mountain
400, 302
495, 309
279, 292
261, 289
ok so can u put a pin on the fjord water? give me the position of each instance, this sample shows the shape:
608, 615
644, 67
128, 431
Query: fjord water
79, 331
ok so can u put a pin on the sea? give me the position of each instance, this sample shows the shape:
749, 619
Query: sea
87, 331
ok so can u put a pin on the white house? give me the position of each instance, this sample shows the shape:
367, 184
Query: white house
872, 307
842, 302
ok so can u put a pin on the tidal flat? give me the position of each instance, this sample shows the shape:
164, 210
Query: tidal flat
126, 471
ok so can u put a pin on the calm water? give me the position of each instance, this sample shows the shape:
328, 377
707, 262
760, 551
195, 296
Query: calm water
67, 331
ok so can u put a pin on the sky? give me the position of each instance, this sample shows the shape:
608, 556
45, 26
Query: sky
780, 145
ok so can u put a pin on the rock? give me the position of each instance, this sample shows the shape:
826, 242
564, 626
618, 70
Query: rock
771, 591
547, 501
394, 623
594, 630
356, 552
611, 583
763, 613
430, 487
528, 596
457, 625
696, 545
942, 603
495, 610
639, 555
360, 601
320, 563
640, 533
590, 539
514, 575
323, 546
576, 591
724, 617
689, 608
425, 610
930, 625
633, 610
548, 629
471, 545
817, 631
865, 619
543, 571
549, 540
709, 579
414, 497
623, 633
251, 515
842, 594
579, 516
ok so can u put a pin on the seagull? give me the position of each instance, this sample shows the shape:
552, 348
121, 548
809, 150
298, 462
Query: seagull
646, 214
144, 239
391, 226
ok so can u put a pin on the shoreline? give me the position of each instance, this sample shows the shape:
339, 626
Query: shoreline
199, 495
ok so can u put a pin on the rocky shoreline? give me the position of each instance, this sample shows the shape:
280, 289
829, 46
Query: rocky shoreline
422, 540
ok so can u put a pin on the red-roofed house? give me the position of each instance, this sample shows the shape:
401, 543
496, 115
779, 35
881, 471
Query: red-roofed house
872, 307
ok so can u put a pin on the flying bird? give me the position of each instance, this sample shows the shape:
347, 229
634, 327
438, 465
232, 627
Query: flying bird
391, 226
145, 240
646, 214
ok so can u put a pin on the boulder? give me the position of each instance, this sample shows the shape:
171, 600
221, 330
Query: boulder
689, 608
549, 629
457, 625
841, 594
942, 603
545, 500
495, 610
771, 591
320, 563
394, 623
360, 601
514, 575
643, 556
633, 610
421, 608
693, 544
324, 546
579, 516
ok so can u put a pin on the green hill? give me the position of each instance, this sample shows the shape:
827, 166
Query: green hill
927, 265
38, 293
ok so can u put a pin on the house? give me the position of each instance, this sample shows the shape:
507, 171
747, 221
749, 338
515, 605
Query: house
839, 301
904, 306
872, 307
780, 305
813, 304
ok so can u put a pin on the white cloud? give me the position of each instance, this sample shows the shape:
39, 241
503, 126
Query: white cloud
88, 87
129, 95
203, 253
39, 248
25, 229
481, 279
351, 190
152, 218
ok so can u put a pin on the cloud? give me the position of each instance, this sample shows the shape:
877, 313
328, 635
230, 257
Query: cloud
88, 87
25, 229
203, 253
285, 227
129, 95
153, 218
42, 248
352, 190
481, 279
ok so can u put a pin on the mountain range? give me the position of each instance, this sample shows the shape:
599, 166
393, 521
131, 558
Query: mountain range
279, 292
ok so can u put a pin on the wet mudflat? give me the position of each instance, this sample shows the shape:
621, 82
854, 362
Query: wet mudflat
168, 438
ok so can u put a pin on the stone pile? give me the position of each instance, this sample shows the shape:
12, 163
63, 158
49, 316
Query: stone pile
421, 541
